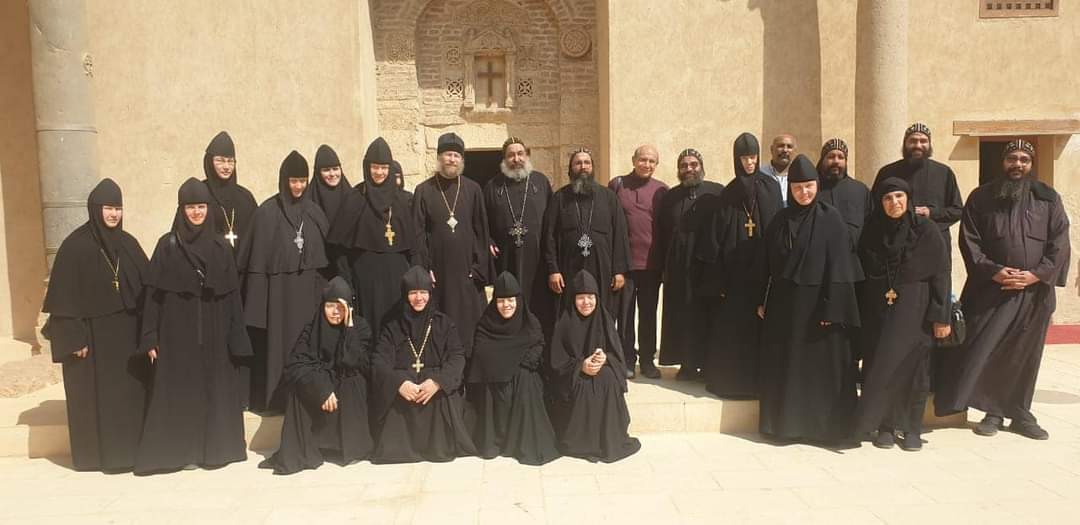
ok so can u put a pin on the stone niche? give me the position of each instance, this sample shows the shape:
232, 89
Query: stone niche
486, 69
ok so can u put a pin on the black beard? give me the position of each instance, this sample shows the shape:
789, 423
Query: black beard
582, 184
1011, 190
692, 179
831, 177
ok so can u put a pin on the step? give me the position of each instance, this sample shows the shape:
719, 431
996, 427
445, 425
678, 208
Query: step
13, 350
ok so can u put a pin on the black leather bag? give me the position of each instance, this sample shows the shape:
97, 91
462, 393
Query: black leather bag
959, 328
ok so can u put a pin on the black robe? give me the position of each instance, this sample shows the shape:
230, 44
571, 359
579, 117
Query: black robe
194, 413
807, 372
232, 204
995, 369
407, 432
852, 199
684, 322
610, 252
933, 184
731, 283
897, 339
105, 391
502, 199
460, 258
326, 360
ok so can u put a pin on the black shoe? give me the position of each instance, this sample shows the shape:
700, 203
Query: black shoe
885, 439
1030, 430
649, 370
912, 442
687, 373
630, 373
989, 426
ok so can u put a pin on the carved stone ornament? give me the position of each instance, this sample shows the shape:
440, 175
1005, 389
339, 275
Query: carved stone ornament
492, 13
400, 48
453, 56
575, 43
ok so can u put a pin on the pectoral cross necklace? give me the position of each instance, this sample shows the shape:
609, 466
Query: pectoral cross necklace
518, 230
750, 224
230, 224
418, 364
389, 228
299, 239
585, 242
114, 269
451, 222
891, 295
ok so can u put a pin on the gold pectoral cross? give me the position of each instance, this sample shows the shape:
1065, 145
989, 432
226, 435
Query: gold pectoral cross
116, 284
389, 235
890, 296
417, 366
750, 227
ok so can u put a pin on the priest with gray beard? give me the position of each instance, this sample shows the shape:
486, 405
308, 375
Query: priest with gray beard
515, 200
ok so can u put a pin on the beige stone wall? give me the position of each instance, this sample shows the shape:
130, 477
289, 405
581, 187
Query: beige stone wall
277, 74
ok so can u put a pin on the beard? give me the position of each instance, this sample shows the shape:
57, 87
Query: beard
1012, 190
582, 183
516, 174
451, 172
692, 179
917, 162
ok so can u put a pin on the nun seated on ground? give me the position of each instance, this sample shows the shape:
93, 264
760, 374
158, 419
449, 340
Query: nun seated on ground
588, 380
326, 412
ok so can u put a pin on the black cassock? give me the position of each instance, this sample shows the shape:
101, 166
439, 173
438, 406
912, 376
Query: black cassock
329, 199
807, 372
405, 431
589, 413
684, 323
996, 368
105, 391
933, 184
459, 257
908, 257
602, 219
852, 199
192, 315
731, 283
327, 359
505, 201
232, 204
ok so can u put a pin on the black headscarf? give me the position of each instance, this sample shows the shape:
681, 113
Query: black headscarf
327, 197
362, 224
226, 192
894, 249
500, 343
741, 188
416, 278
189, 260
81, 281
294, 166
592, 331
329, 338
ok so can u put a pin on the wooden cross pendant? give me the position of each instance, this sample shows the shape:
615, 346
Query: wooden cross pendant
389, 235
750, 227
417, 366
231, 237
890, 296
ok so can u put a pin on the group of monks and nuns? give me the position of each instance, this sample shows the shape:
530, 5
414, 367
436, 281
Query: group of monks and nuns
685, 322
326, 374
640, 194
730, 281
783, 149
849, 196
93, 301
191, 327
585, 229
807, 371
452, 237
903, 306
587, 372
504, 389
232, 205
418, 367
374, 237
281, 260
516, 200
1014, 238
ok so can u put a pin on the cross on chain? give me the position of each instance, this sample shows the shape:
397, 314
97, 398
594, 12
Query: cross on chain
231, 237
518, 232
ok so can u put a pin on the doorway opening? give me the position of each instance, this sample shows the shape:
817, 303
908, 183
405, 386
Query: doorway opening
990, 150
482, 165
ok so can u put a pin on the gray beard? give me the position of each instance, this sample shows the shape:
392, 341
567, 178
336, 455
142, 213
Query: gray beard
1012, 190
461, 169
582, 184
692, 180
516, 175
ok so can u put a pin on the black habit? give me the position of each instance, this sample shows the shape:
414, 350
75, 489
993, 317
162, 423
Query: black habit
93, 302
329, 199
995, 369
231, 204
852, 199
933, 185
327, 360
192, 317
504, 388
281, 260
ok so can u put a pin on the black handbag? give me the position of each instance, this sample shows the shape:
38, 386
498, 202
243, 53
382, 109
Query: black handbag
959, 328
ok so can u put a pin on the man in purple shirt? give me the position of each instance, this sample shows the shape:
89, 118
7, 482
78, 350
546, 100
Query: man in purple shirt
640, 195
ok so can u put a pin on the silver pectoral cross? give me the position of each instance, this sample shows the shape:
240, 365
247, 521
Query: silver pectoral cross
452, 223
231, 237
584, 243
299, 241
518, 232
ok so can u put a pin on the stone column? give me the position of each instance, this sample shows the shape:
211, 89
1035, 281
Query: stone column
64, 111
881, 84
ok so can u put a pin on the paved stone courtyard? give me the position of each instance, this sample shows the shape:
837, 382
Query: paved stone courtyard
676, 478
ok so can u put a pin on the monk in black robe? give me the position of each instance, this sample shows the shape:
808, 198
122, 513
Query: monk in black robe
729, 281
374, 236
683, 209
1014, 238
327, 376
849, 196
281, 260
807, 371
418, 366
232, 204
329, 190
452, 238
585, 229
587, 371
515, 200
903, 305
192, 324
94, 301
504, 388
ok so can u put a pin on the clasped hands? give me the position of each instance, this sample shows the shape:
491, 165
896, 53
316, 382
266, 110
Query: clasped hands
1014, 279
419, 394
557, 284
592, 364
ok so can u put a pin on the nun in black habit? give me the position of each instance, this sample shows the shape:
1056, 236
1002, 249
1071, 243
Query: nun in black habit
418, 365
732, 241
330, 188
93, 301
326, 374
504, 387
807, 372
232, 205
588, 382
281, 260
903, 303
373, 237
192, 324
